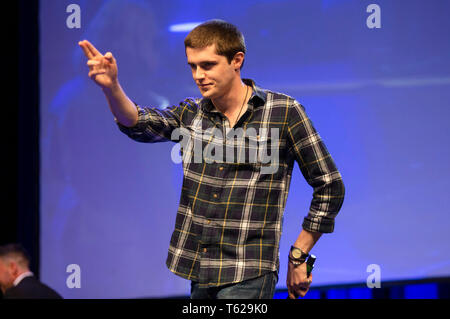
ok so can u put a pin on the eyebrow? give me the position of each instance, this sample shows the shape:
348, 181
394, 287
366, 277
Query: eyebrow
202, 62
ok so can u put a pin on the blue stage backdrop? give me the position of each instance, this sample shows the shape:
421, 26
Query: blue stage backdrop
376, 85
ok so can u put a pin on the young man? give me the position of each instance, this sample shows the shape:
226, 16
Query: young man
228, 225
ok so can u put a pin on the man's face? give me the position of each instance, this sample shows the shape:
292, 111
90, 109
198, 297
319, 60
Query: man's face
6, 274
211, 72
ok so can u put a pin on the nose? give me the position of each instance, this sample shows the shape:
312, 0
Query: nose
199, 74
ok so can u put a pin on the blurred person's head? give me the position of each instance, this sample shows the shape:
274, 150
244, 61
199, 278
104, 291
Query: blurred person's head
14, 261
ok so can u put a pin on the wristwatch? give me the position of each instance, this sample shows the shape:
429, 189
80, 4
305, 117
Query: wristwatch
297, 256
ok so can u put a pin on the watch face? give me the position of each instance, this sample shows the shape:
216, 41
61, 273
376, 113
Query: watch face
296, 253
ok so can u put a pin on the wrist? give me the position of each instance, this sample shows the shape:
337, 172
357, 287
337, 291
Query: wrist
297, 256
306, 240
112, 88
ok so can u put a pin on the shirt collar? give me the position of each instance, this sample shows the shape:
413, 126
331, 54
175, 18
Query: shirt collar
258, 98
22, 276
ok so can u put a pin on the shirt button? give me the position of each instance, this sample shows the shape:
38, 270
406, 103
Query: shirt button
215, 195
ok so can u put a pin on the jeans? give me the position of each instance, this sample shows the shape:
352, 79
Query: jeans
262, 287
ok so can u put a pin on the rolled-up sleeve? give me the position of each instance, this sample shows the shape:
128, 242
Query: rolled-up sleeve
156, 125
319, 170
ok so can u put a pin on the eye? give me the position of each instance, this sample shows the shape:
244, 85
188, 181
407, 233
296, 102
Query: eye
208, 66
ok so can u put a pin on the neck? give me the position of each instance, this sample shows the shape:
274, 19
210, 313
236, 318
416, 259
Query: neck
233, 99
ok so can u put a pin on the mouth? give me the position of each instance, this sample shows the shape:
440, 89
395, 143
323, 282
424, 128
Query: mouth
204, 85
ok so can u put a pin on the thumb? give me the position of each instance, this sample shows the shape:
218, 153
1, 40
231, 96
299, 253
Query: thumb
109, 56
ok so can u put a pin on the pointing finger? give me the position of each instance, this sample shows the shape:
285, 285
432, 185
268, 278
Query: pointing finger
91, 48
86, 51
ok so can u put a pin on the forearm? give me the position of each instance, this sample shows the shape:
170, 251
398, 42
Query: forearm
306, 240
121, 106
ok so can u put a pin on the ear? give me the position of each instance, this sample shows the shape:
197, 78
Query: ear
238, 60
14, 268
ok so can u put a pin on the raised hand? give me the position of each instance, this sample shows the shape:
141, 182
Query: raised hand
102, 68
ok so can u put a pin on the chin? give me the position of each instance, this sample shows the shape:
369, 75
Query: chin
207, 94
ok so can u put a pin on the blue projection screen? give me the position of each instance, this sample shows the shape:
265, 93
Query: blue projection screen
375, 83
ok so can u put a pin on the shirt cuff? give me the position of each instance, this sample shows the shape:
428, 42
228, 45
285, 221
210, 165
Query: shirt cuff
319, 225
138, 127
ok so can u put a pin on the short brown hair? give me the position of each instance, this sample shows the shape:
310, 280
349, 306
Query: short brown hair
16, 252
227, 38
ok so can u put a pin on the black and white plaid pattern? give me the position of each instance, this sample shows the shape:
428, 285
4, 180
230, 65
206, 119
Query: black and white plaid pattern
229, 220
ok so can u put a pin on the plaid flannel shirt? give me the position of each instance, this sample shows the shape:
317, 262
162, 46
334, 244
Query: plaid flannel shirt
230, 214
